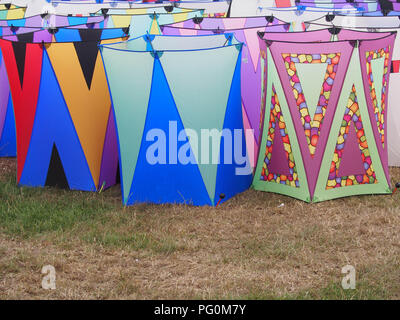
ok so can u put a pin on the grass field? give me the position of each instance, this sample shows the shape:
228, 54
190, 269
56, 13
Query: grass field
249, 248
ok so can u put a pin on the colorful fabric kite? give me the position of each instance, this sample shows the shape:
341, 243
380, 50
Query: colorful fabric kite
12, 13
49, 20
246, 31
142, 21
166, 106
83, 8
324, 133
216, 9
359, 5
377, 24
65, 130
20, 27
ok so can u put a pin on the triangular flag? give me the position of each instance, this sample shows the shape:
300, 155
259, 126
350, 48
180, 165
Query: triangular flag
253, 45
178, 17
155, 28
120, 21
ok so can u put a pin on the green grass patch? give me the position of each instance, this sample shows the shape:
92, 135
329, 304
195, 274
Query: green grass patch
334, 291
62, 215
28, 212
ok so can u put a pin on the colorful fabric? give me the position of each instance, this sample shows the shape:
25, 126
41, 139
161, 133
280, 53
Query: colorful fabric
351, 121
245, 30
62, 109
312, 127
175, 75
348, 157
379, 107
276, 123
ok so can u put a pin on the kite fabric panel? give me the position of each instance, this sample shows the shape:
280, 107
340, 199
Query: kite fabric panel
282, 10
218, 9
211, 8
360, 5
62, 108
324, 133
246, 31
8, 6
49, 20
252, 8
353, 22
84, 8
178, 153
376, 24
7, 123
140, 22
12, 13
87, 8
22, 30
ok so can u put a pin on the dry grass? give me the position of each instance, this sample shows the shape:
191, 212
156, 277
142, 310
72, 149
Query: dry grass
249, 248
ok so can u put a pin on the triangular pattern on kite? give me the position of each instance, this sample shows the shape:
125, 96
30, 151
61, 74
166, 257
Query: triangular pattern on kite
351, 124
379, 106
236, 176
156, 181
312, 126
279, 165
87, 51
8, 147
55, 175
53, 127
20, 54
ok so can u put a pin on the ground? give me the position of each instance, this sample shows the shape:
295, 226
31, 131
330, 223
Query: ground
256, 246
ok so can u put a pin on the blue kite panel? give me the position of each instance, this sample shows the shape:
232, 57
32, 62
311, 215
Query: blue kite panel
229, 181
8, 143
53, 126
170, 182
